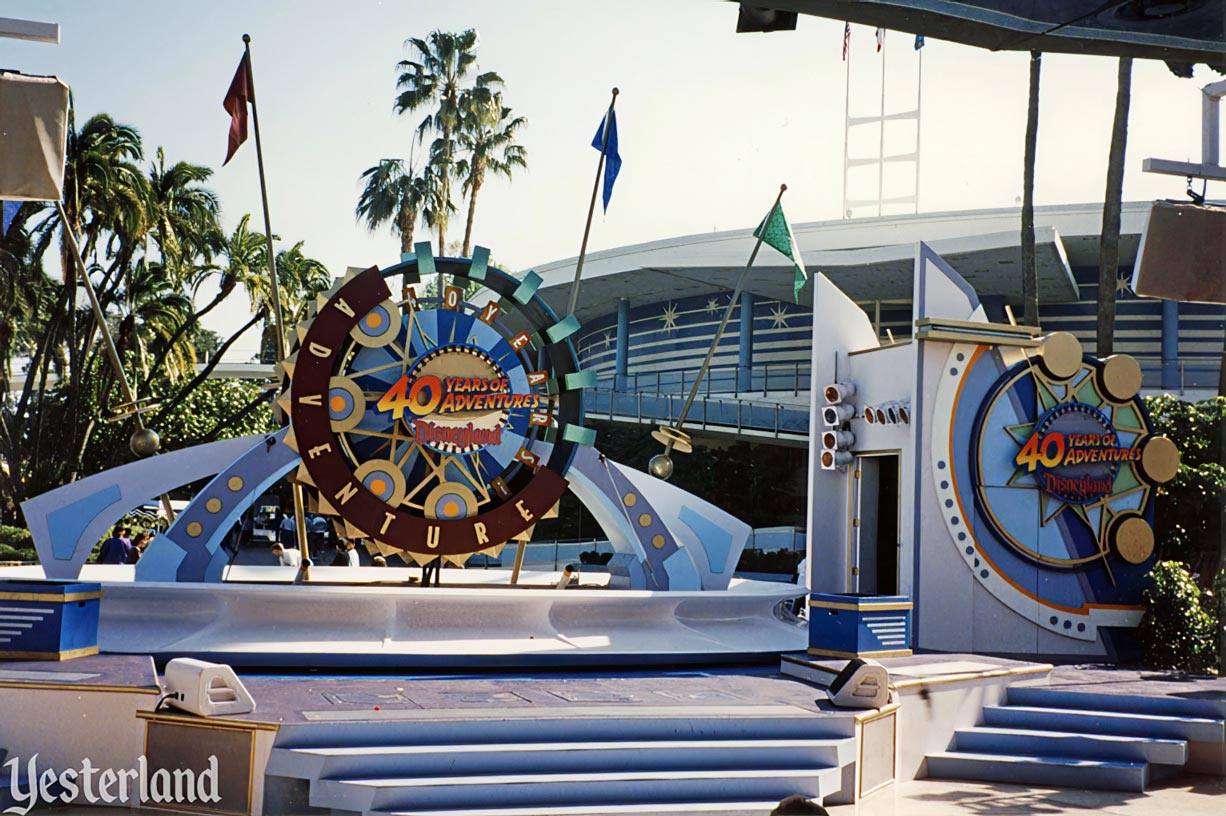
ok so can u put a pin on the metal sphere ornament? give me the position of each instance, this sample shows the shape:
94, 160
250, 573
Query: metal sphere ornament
145, 442
661, 466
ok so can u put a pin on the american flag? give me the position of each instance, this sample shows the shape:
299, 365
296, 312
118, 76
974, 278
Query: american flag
846, 40
880, 39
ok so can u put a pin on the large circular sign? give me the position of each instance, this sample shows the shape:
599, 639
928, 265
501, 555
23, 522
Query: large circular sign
1056, 461
437, 426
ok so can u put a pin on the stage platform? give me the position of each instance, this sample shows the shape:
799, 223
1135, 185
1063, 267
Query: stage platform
327, 698
710, 739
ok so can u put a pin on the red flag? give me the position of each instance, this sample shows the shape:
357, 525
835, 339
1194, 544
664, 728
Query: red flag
880, 39
235, 103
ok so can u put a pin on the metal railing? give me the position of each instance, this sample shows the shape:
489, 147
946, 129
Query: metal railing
765, 379
1178, 374
555, 555
713, 413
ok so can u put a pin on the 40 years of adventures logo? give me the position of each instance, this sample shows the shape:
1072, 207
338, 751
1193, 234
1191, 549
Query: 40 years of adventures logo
1075, 451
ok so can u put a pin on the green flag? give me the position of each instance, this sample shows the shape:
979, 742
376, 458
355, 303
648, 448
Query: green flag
774, 230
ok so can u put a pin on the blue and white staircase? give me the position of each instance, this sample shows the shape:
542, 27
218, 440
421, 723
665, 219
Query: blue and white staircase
1080, 740
724, 763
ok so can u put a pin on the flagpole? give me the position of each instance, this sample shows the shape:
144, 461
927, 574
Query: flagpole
591, 208
676, 434
299, 515
846, 114
881, 140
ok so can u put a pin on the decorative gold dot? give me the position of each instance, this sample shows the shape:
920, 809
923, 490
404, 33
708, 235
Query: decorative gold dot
195, 529
645, 520
1120, 377
213, 505
235, 483
657, 541
630, 499
1159, 459
1060, 355
1134, 539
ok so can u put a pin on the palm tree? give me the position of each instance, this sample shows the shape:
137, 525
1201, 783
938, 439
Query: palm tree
301, 279
104, 192
1030, 280
395, 195
150, 329
244, 266
488, 141
182, 214
1109, 246
435, 78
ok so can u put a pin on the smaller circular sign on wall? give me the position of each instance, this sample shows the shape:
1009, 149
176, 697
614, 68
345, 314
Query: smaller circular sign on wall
1075, 452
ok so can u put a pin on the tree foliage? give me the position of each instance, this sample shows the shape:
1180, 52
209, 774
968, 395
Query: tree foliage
152, 242
1180, 627
470, 131
1187, 514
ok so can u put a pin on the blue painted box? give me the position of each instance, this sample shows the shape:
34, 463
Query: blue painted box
852, 625
48, 620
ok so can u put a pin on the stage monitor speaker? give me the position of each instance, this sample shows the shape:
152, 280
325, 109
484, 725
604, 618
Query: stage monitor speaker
861, 684
1182, 255
207, 689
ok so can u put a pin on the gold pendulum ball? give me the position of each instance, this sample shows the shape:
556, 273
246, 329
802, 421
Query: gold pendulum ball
1159, 459
1130, 535
145, 442
661, 466
1060, 355
1119, 379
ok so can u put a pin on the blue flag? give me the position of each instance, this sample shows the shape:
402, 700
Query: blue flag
919, 41
10, 212
612, 159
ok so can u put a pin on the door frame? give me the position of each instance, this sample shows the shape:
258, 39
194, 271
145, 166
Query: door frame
853, 527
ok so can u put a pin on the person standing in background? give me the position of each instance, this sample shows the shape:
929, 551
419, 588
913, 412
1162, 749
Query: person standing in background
116, 549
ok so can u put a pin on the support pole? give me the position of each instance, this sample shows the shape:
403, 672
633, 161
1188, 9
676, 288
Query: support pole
591, 208
108, 343
519, 562
846, 127
733, 302
299, 505
881, 143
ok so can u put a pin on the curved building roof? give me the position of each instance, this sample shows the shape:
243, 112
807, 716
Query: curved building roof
869, 258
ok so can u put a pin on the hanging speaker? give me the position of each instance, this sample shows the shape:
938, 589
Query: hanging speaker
34, 110
1182, 255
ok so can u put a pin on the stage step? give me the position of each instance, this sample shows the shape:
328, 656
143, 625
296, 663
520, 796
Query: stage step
536, 790
673, 760
1047, 697
1198, 729
1071, 772
729, 808
590, 724
1022, 742
336, 762
1080, 739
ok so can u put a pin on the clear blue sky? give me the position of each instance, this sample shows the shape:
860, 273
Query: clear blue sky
710, 121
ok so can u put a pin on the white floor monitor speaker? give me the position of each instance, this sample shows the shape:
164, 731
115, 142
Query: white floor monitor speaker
861, 684
207, 689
